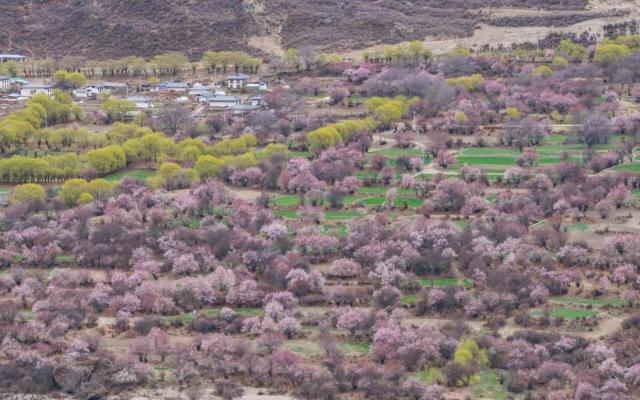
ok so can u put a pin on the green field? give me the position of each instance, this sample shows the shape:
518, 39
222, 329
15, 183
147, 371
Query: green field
286, 214
578, 227
626, 167
286, 200
142, 174
356, 347
567, 313
587, 302
506, 156
342, 214
303, 154
489, 386
210, 313
442, 282
337, 230
398, 152
409, 299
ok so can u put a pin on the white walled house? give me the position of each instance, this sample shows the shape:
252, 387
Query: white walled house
31, 89
5, 82
12, 57
223, 101
91, 90
179, 87
141, 102
237, 81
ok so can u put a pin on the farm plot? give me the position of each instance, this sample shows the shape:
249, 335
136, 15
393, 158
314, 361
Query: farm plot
142, 174
565, 312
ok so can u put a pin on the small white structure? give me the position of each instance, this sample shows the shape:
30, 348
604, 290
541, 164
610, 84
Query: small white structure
257, 87
31, 89
12, 57
256, 101
141, 102
5, 82
223, 101
91, 90
237, 81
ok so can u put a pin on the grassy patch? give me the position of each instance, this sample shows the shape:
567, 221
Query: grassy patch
286, 200
555, 138
356, 347
462, 223
372, 190
397, 152
578, 227
627, 167
342, 214
338, 229
409, 299
286, 214
27, 315
142, 174
588, 302
410, 202
303, 347
303, 154
432, 375
567, 313
442, 282
65, 259
488, 386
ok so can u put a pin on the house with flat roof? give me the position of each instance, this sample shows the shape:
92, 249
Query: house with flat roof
31, 89
237, 81
181, 87
223, 101
19, 81
141, 102
91, 90
257, 101
5, 82
12, 57
199, 91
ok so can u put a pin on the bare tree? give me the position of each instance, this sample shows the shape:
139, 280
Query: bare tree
173, 117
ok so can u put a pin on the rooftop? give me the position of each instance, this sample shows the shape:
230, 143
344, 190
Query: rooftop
138, 99
180, 85
239, 77
225, 98
36, 85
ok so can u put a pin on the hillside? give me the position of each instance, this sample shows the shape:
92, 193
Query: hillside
100, 29
108, 29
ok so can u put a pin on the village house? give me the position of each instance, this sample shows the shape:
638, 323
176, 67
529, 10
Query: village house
91, 90
243, 109
224, 101
256, 86
237, 81
19, 81
141, 102
12, 57
31, 89
180, 87
256, 101
5, 82
200, 91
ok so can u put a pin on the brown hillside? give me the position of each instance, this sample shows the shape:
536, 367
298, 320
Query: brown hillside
115, 28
